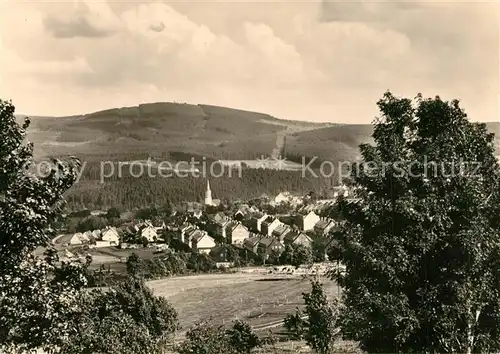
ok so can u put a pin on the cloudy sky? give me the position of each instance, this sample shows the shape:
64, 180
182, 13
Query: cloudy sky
318, 61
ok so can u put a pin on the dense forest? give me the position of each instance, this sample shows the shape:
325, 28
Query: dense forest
128, 192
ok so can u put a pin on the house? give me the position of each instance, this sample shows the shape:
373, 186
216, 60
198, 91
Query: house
184, 231
222, 228
192, 233
219, 218
252, 242
111, 234
131, 229
90, 236
219, 223
245, 212
268, 246
281, 231
297, 238
240, 215
257, 222
78, 239
100, 243
202, 242
149, 233
282, 197
159, 225
324, 226
306, 222
161, 247
269, 225
237, 233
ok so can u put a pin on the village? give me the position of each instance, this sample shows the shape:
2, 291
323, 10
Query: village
256, 232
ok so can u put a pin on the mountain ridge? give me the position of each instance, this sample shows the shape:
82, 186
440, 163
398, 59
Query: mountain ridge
199, 129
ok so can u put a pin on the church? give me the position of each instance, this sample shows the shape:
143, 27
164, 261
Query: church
208, 197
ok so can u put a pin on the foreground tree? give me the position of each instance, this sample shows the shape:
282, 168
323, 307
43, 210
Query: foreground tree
421, 238
43, 304
37, 294
242, 338
295, 325
127, 319
205, 337
322, 319
317, 324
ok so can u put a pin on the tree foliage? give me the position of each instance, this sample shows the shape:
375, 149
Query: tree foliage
321, 319
241, 337
43, 303
200, 262
296, 255
134, 264
205, 337
317, 323
91, 223
37, 294
126, 319
113, 213
420, 239
296, 325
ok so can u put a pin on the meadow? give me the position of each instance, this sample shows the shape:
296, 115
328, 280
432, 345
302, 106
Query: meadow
260, 299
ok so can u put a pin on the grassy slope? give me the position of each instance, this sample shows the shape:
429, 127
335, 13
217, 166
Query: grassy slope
160, 127
337, 143
341, 143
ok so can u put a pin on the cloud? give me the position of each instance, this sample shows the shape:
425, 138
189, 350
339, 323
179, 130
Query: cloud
297, 60
77, 27
85, 19
440, 34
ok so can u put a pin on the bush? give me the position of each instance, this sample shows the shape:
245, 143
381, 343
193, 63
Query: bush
207, 338
201, 262
242, 338
295, 325
134, 265
127, 319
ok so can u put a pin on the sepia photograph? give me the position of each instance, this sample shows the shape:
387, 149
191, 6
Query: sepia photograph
249, 176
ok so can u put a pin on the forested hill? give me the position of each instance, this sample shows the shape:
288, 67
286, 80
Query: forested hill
161, 127
179, 131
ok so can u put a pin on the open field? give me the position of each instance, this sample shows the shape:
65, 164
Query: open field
256, 298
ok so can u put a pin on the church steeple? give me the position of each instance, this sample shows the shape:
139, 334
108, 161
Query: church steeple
208, 194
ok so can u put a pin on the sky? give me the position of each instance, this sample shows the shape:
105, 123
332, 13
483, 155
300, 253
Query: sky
306, 60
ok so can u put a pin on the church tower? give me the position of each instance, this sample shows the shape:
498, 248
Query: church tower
208, 194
